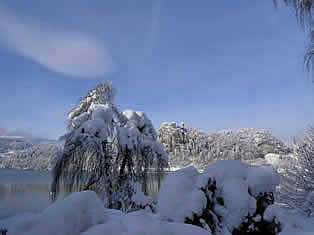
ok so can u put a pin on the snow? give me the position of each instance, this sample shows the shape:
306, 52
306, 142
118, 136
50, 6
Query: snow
181, 196
77, 121
262, 179
139, 198
237, 202
273, 158
137, 118
292, 221
178, 198
258, 178
142, 223
72, 215
182, 193
223, 169
101, 111
82, 213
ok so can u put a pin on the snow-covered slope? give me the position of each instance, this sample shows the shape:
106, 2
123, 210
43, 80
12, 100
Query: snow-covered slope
187, 146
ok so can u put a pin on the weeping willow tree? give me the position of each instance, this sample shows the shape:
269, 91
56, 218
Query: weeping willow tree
106, 150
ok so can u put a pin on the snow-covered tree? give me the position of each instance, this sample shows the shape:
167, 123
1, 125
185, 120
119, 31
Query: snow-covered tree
303, 11
297, 177
106, 150
305, 171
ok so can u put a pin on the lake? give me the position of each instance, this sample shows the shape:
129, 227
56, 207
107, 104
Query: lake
28, 191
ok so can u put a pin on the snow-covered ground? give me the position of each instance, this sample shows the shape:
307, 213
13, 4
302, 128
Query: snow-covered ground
226, 190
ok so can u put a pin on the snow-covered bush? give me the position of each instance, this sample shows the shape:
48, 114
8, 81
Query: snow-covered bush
228, 197
106, 150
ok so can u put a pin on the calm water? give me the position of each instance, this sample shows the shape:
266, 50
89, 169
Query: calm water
23, 191
28, 191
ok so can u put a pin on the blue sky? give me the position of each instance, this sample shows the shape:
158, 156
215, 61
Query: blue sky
212, 64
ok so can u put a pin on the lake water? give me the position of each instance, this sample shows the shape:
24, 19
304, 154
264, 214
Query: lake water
28, 191
23, 191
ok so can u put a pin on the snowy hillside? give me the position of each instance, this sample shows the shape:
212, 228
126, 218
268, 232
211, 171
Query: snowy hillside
187, 146
9, 143
13, 143
37, 157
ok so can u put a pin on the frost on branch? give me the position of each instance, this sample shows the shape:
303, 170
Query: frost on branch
106, 150
228, 197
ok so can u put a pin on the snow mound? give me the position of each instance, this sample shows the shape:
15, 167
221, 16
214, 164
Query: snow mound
143, 223
73, 215
178, 189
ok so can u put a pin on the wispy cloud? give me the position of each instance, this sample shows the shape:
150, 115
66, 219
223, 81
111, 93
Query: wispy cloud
65, 52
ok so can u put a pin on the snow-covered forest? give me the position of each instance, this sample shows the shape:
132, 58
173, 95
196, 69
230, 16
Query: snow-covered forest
187, 146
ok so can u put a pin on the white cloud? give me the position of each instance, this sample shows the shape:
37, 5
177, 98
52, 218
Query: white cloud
64, 52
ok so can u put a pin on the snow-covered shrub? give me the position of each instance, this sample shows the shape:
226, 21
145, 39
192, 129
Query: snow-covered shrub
106, 150
221, 199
